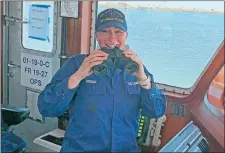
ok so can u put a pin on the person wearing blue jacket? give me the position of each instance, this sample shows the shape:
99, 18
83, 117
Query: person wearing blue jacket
104, 115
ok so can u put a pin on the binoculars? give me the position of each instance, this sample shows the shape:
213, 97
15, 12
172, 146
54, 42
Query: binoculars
119, 59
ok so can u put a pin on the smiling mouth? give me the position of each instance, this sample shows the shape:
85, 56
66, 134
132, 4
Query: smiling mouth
111, 46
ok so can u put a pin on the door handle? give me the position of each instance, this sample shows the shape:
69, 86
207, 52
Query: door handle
12, 65
12, 20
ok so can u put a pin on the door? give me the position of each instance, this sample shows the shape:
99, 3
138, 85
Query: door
31, 57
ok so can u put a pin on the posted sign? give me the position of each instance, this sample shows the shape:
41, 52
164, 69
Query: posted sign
39, 22
36, 71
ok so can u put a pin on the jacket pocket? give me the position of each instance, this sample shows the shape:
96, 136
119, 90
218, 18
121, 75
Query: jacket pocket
131, 84
133, 88
92, 87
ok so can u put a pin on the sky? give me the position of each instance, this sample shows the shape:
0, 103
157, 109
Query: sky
203, 5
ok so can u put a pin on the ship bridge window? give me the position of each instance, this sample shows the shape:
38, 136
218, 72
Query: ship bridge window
175, 40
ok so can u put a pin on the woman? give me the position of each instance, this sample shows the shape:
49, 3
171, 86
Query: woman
105, 113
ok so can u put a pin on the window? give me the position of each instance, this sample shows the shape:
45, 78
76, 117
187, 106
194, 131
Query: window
175, 40
38, 33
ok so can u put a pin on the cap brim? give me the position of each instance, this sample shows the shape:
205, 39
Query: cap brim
111, 24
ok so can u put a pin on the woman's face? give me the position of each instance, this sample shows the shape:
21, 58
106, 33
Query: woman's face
110, 37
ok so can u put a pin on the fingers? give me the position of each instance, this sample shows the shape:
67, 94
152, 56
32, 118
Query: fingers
95, 58
98, 58
132, 57
130, 54
97, 55
94, 63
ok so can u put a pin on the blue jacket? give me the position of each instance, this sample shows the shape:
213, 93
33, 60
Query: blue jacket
104, 116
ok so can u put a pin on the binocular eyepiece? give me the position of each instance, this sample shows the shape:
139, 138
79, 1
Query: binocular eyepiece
116, 54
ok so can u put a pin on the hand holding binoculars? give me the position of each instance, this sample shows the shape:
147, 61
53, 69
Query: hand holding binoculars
119, 59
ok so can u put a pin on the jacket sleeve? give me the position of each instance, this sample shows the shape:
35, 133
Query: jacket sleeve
55, 99
153, 100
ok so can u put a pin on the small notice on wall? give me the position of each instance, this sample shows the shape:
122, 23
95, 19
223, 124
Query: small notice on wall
39, 22
69, 9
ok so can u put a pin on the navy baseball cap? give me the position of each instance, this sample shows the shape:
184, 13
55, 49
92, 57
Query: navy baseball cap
111, 18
